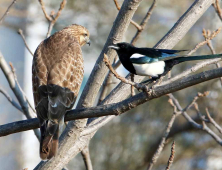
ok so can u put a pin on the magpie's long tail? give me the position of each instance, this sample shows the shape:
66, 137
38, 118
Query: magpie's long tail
201, 57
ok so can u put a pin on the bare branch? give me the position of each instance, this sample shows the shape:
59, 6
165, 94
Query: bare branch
217, 8
16, 80
144, 22
123, 79
62, 6
13, 102
170, 161
206, 35
17, 90
195, 99
86, 157
213, 121
121, 107
132, 22
7, 11
203, 127
43, 9
23, 37
51, 19
210, 37
165, 136
117, 5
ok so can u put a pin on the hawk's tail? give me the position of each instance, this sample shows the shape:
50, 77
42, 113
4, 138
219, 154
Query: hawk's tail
49, 140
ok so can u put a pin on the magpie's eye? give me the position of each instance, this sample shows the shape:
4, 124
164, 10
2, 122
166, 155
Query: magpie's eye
123, 46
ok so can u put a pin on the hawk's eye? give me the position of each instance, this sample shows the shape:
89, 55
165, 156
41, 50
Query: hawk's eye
85, 34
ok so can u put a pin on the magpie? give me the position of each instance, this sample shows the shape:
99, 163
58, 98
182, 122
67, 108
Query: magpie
152, 62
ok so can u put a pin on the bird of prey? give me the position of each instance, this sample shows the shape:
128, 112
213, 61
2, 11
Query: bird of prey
57, 74
152, 62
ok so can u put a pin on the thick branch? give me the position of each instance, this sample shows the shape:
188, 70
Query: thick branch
121, 107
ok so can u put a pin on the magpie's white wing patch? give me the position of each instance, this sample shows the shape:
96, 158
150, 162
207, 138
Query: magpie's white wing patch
151, 69
136, 55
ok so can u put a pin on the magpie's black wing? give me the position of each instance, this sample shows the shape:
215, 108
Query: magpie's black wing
153, 55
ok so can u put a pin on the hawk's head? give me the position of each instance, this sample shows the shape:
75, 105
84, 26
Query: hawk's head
81, 34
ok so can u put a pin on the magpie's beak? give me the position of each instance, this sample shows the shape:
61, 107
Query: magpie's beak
114, 46
88, 42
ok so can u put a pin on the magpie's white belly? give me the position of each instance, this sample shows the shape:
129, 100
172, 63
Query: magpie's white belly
152, 69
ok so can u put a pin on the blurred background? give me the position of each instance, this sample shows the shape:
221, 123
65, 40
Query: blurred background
129, 140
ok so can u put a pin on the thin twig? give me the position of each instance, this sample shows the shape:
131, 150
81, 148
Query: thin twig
163, 139
51, 19
16, 80
132, 22
7, 11
203, 127
207, 34
10, 75
213, 35
213, 121
43, 9
144, 22
195, 99
170, 161
13, 102
86, 158
123, 79
26, 45
217, 8
62, 5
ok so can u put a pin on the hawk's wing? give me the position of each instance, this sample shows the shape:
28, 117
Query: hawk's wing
57, 77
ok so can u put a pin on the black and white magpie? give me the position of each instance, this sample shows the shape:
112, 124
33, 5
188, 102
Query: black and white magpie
152, 62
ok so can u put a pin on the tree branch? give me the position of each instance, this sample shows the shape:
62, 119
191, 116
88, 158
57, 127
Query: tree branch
163, 139
203, 127
213, 121
86, 157
13, 102
170, 161
121, 107
144, 22
51, 19
7, 11
132, 22
17, 91
26, 45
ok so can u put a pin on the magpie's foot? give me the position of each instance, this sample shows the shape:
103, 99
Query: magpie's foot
157, 83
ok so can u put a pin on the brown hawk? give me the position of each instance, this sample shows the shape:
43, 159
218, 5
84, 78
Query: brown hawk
57, 74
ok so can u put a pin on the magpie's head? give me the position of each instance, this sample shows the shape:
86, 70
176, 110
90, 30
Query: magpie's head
123, 47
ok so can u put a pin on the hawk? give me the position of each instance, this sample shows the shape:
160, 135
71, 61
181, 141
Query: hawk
57, 74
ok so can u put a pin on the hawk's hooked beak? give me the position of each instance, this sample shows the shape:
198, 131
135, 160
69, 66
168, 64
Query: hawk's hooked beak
88, 42
114, 46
